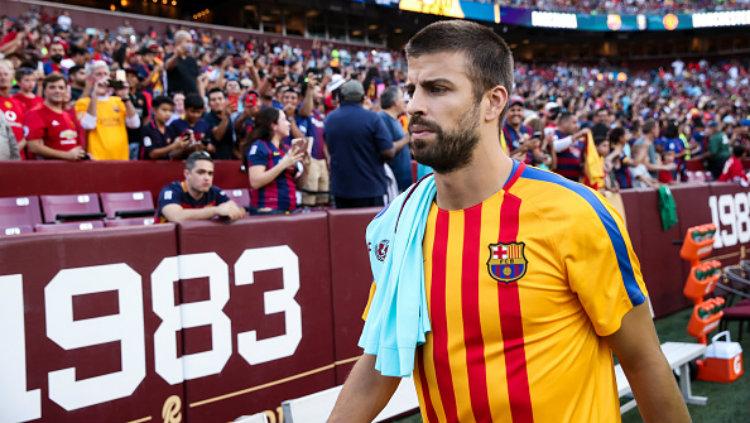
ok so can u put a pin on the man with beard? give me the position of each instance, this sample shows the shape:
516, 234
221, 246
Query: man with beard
55, 56
510, 305
359, 145
53, 133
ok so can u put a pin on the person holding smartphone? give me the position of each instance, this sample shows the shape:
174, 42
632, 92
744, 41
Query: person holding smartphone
273, 163
105, 116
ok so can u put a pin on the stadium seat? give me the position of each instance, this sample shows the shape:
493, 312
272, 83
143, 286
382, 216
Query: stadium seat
241, 196
17, 230
58, 208
315, 408
132, 221
69, 226
127, 204
19, 214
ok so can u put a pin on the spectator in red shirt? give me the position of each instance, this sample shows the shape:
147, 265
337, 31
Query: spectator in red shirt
53, 133
733, 169
27, 95
11, 108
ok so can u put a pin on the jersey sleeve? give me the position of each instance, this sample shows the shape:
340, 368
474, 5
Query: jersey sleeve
169, 195
221, 198
35, 125
257, 155
81, 106
602, 268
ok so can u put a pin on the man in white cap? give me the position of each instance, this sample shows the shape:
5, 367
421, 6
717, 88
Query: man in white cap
359, 144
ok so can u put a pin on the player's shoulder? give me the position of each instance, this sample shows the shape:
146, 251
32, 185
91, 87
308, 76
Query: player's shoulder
550, 194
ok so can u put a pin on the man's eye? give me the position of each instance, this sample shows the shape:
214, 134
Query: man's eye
437, 89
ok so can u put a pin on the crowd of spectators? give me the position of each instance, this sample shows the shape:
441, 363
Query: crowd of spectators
625, 6
327, 120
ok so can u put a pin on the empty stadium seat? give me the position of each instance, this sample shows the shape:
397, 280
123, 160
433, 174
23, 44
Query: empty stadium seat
16, 230
70, 207
127, 204
241, 196
133, 221
69, 226
19, 214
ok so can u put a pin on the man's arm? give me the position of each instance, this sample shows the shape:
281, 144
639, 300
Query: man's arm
637, 347
37, 147
219, 130
365, 393
176, 213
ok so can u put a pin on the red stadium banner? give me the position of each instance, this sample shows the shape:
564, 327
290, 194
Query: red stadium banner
256, 298
78, 327
350, 279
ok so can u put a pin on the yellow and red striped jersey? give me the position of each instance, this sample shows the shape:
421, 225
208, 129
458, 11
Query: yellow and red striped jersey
520, 289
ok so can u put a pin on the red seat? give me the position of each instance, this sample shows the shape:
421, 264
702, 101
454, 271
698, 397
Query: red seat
139, 201
17, 230
133, 221
69, 226
67, 205
241, 196
19, 211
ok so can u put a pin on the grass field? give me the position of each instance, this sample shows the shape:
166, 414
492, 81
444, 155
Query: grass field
726, 403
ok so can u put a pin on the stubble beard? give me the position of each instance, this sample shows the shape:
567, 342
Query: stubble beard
450, 150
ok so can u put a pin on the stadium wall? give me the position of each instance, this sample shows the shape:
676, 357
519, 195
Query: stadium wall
207, 321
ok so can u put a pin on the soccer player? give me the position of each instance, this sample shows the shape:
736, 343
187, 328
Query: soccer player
196, 198
531, 281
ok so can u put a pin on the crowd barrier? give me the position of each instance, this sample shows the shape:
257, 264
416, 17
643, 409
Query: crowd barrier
210, 321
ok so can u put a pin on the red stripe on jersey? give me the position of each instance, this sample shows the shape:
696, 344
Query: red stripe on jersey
475, 364
429, 408
511, 324
439, 318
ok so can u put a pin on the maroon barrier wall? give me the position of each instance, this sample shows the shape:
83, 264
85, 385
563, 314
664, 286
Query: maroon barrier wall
279, 253
350, 277
130, 256
201, 357
59, 177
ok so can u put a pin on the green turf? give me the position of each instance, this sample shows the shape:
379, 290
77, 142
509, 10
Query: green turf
726, 403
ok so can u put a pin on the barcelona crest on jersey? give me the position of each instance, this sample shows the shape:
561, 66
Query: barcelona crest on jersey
507, 263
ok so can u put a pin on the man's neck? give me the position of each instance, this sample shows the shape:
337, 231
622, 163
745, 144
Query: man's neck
28, 94
392, 113
55, 107
160, 125
476, 182
516, 127
4, 92
197, 195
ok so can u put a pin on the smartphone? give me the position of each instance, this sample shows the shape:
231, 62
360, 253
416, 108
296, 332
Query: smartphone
116, 84
120, 75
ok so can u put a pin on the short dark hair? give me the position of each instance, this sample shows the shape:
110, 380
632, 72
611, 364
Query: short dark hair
490, 61
649, 126
194, 101
74, 69
196, 156
23, 71
51, 79
565, 116
389, 97
615, 134
162, 99
215, 90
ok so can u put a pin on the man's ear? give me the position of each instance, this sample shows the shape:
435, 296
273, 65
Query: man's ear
186, 173
497, 100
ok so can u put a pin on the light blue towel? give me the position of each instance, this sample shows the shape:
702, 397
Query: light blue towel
398, 319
